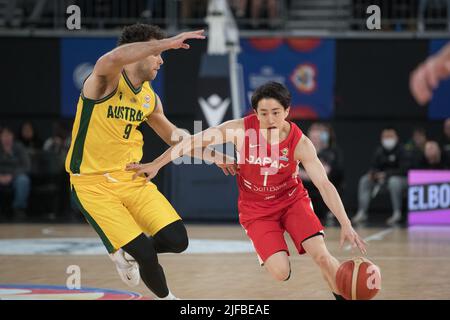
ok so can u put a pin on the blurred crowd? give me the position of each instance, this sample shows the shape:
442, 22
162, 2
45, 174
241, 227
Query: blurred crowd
32, 172
387, 173
248, 13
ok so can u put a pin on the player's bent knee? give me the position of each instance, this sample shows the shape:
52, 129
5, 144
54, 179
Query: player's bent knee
180, 244
280, 273
322, 260
172, 238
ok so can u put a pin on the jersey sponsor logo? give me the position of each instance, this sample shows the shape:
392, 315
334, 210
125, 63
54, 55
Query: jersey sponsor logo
264, 161
126, 113
269, 188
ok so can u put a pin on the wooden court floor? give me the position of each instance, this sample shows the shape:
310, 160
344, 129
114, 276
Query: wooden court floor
414, 263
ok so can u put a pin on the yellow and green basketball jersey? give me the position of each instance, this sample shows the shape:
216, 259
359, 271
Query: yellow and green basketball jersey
104, 134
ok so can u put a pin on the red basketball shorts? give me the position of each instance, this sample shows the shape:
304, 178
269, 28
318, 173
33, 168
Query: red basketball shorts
267, 232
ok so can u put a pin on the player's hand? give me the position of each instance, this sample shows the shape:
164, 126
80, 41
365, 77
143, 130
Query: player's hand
177, 41
426, 77
228, 169
349, 234
150, 170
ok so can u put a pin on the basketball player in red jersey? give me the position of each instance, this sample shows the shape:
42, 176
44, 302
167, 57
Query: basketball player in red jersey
272, 198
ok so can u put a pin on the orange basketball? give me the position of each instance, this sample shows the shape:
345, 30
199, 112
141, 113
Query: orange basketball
358, 279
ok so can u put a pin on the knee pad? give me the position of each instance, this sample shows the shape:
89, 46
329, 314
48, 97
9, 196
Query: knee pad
173, 237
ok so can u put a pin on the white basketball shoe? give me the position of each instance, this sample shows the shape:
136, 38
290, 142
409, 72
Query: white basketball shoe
127, 267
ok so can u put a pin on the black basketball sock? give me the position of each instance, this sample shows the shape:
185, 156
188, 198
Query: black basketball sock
142, 249
338, 297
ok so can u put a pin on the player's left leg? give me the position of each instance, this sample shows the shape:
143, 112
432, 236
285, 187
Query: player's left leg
328, 264
156, 216
163, 228
172, 238
307, 233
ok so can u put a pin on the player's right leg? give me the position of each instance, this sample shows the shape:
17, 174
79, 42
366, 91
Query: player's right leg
113, 223
117, 228
268, 240
142, 249
278, 266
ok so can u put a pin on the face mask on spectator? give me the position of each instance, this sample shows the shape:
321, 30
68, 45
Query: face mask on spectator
389, 143
324, 136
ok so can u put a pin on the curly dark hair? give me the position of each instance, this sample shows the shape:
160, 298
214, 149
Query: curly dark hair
274, 90
140, 32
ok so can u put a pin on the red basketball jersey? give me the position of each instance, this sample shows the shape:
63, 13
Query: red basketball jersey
268, 176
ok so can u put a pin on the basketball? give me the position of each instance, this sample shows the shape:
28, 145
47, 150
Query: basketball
358, 279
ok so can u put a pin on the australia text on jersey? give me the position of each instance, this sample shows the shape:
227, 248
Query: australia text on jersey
126, 113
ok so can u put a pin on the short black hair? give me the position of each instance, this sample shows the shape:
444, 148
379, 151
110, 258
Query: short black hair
140, 32
272, 90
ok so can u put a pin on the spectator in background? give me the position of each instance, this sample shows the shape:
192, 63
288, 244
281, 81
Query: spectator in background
433, 157
193, 9
445, 141
388, 170
323, 138
56, 148
239, 7
29, 138
59, 142
272, 11
332, 159
415, 147
14, 166
314, 134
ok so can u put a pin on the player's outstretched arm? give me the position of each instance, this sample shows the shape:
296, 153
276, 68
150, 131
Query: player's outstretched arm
306, 154
107, 69
426, 77
228, 131
113, 61
172, 135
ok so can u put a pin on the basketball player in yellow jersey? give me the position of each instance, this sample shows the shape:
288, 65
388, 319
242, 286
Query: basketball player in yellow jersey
115, 98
